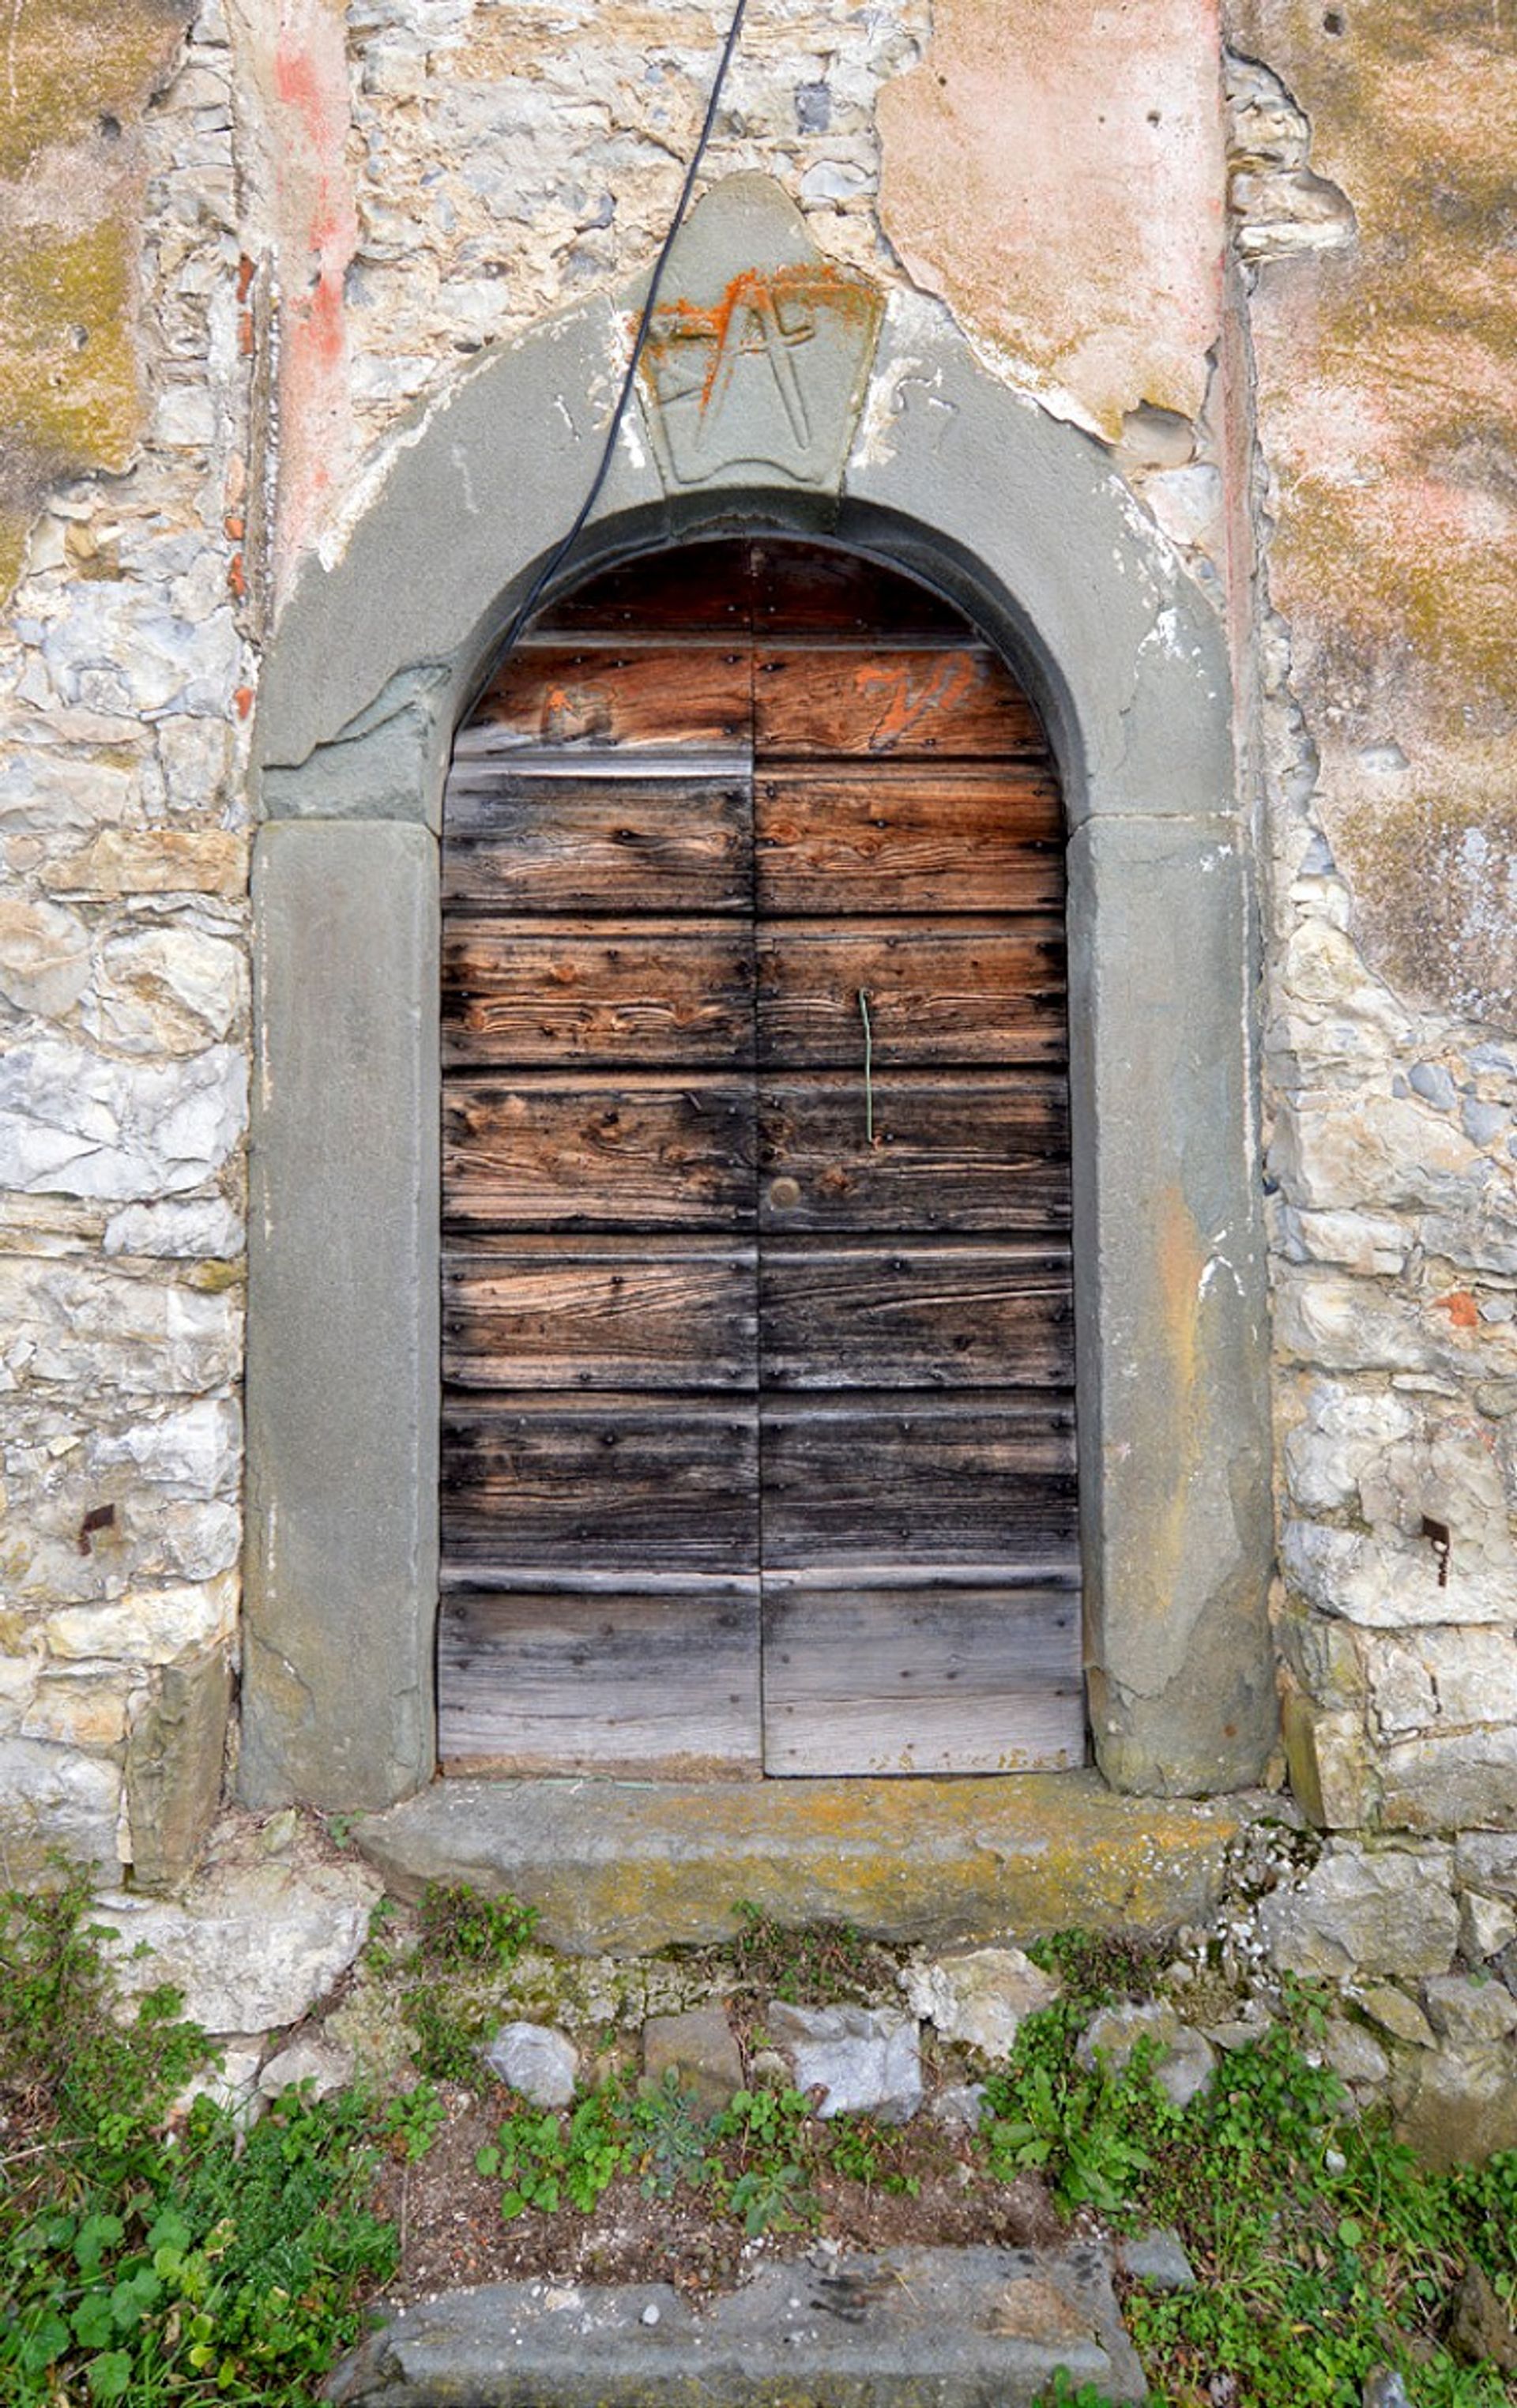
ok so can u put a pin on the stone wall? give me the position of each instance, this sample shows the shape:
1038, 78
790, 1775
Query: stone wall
244, 245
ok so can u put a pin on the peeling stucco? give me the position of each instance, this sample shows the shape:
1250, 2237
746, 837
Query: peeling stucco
1057, 177
1387, 376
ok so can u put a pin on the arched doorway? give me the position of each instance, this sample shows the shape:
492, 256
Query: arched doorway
923, 458
758, 1447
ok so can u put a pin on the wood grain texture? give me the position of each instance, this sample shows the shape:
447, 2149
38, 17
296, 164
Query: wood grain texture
579, 1314
650, 1687
641, 991
952, 700
938, 991
609, 698
894, 1683
630, 1151
626, 1483
904, 1315
918, 1480
952, 839
961, 1152
515, 842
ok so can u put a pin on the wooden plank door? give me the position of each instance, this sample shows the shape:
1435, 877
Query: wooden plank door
921, 1570
758, 1434
600, 1527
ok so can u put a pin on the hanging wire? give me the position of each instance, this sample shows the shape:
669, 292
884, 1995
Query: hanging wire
560, 553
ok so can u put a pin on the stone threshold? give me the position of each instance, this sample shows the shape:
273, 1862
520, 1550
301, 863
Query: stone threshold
952, 2328
624, 1868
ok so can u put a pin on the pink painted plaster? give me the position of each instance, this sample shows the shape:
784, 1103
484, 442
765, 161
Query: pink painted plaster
1057, 175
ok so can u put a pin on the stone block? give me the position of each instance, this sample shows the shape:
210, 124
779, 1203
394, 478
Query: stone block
1458, 2106
175, 1758
980, 1998
700, 2049
1390, 1910
342, 1360
252, 1946
864, 2061
1176, 1532
543, 2065
56, 1801
1462, 1780
1470, 2013
1486, 1925
73, 1123
314, 2064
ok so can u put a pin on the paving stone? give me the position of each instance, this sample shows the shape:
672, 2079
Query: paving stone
542, 2064
866, 2059
700, 2048
959, 2329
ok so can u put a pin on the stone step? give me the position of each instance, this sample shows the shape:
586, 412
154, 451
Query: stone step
956, 2328
626, 1867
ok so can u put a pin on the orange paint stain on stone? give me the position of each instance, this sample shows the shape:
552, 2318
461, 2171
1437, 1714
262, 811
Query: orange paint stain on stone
1460, 1306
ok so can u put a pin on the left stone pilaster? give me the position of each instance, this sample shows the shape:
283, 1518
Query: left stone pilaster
342, 1358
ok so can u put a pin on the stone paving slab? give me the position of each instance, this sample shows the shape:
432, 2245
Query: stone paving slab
624, 1868
909, 2328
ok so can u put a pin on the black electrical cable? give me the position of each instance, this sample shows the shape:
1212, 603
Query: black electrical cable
561, 550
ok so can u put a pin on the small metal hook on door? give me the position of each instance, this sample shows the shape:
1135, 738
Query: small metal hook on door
868, 1068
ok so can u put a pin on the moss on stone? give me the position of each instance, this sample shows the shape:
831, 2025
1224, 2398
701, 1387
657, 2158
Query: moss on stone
68, 378
83, 67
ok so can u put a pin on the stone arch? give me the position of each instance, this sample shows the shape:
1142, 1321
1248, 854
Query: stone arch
919, 455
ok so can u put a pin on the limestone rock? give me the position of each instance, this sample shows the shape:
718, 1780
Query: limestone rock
1487, 1860
251, 1946
1463, 2011
699, 2047
980, 1998
232, 2085
323, 2064
1481, 2330
866, 2059
1388, 1911
959, 2107
1354, 2053
44, 956
542, 2064
1487, 1924
73, 1123
1157, 2260
1185, 2061
1397, 2014
54, 1800
1459, 2106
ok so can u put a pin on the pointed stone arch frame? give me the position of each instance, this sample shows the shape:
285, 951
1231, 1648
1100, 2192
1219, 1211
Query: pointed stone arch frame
1020, 521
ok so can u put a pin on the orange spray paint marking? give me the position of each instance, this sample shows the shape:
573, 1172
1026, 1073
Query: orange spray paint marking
908, 704
1461, 1308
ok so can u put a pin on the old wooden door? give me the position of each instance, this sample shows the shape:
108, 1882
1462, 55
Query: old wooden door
758, 1448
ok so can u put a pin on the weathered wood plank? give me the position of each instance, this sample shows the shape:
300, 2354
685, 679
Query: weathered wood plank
960, 1152
918, 1479
586, 1315
949, 700
650, 992
598, 1153
696, 588
608, 698
598, 844
937, 991
953, 840
620, 1484
809, 593
655, 1687
904, 1316
892, 1682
